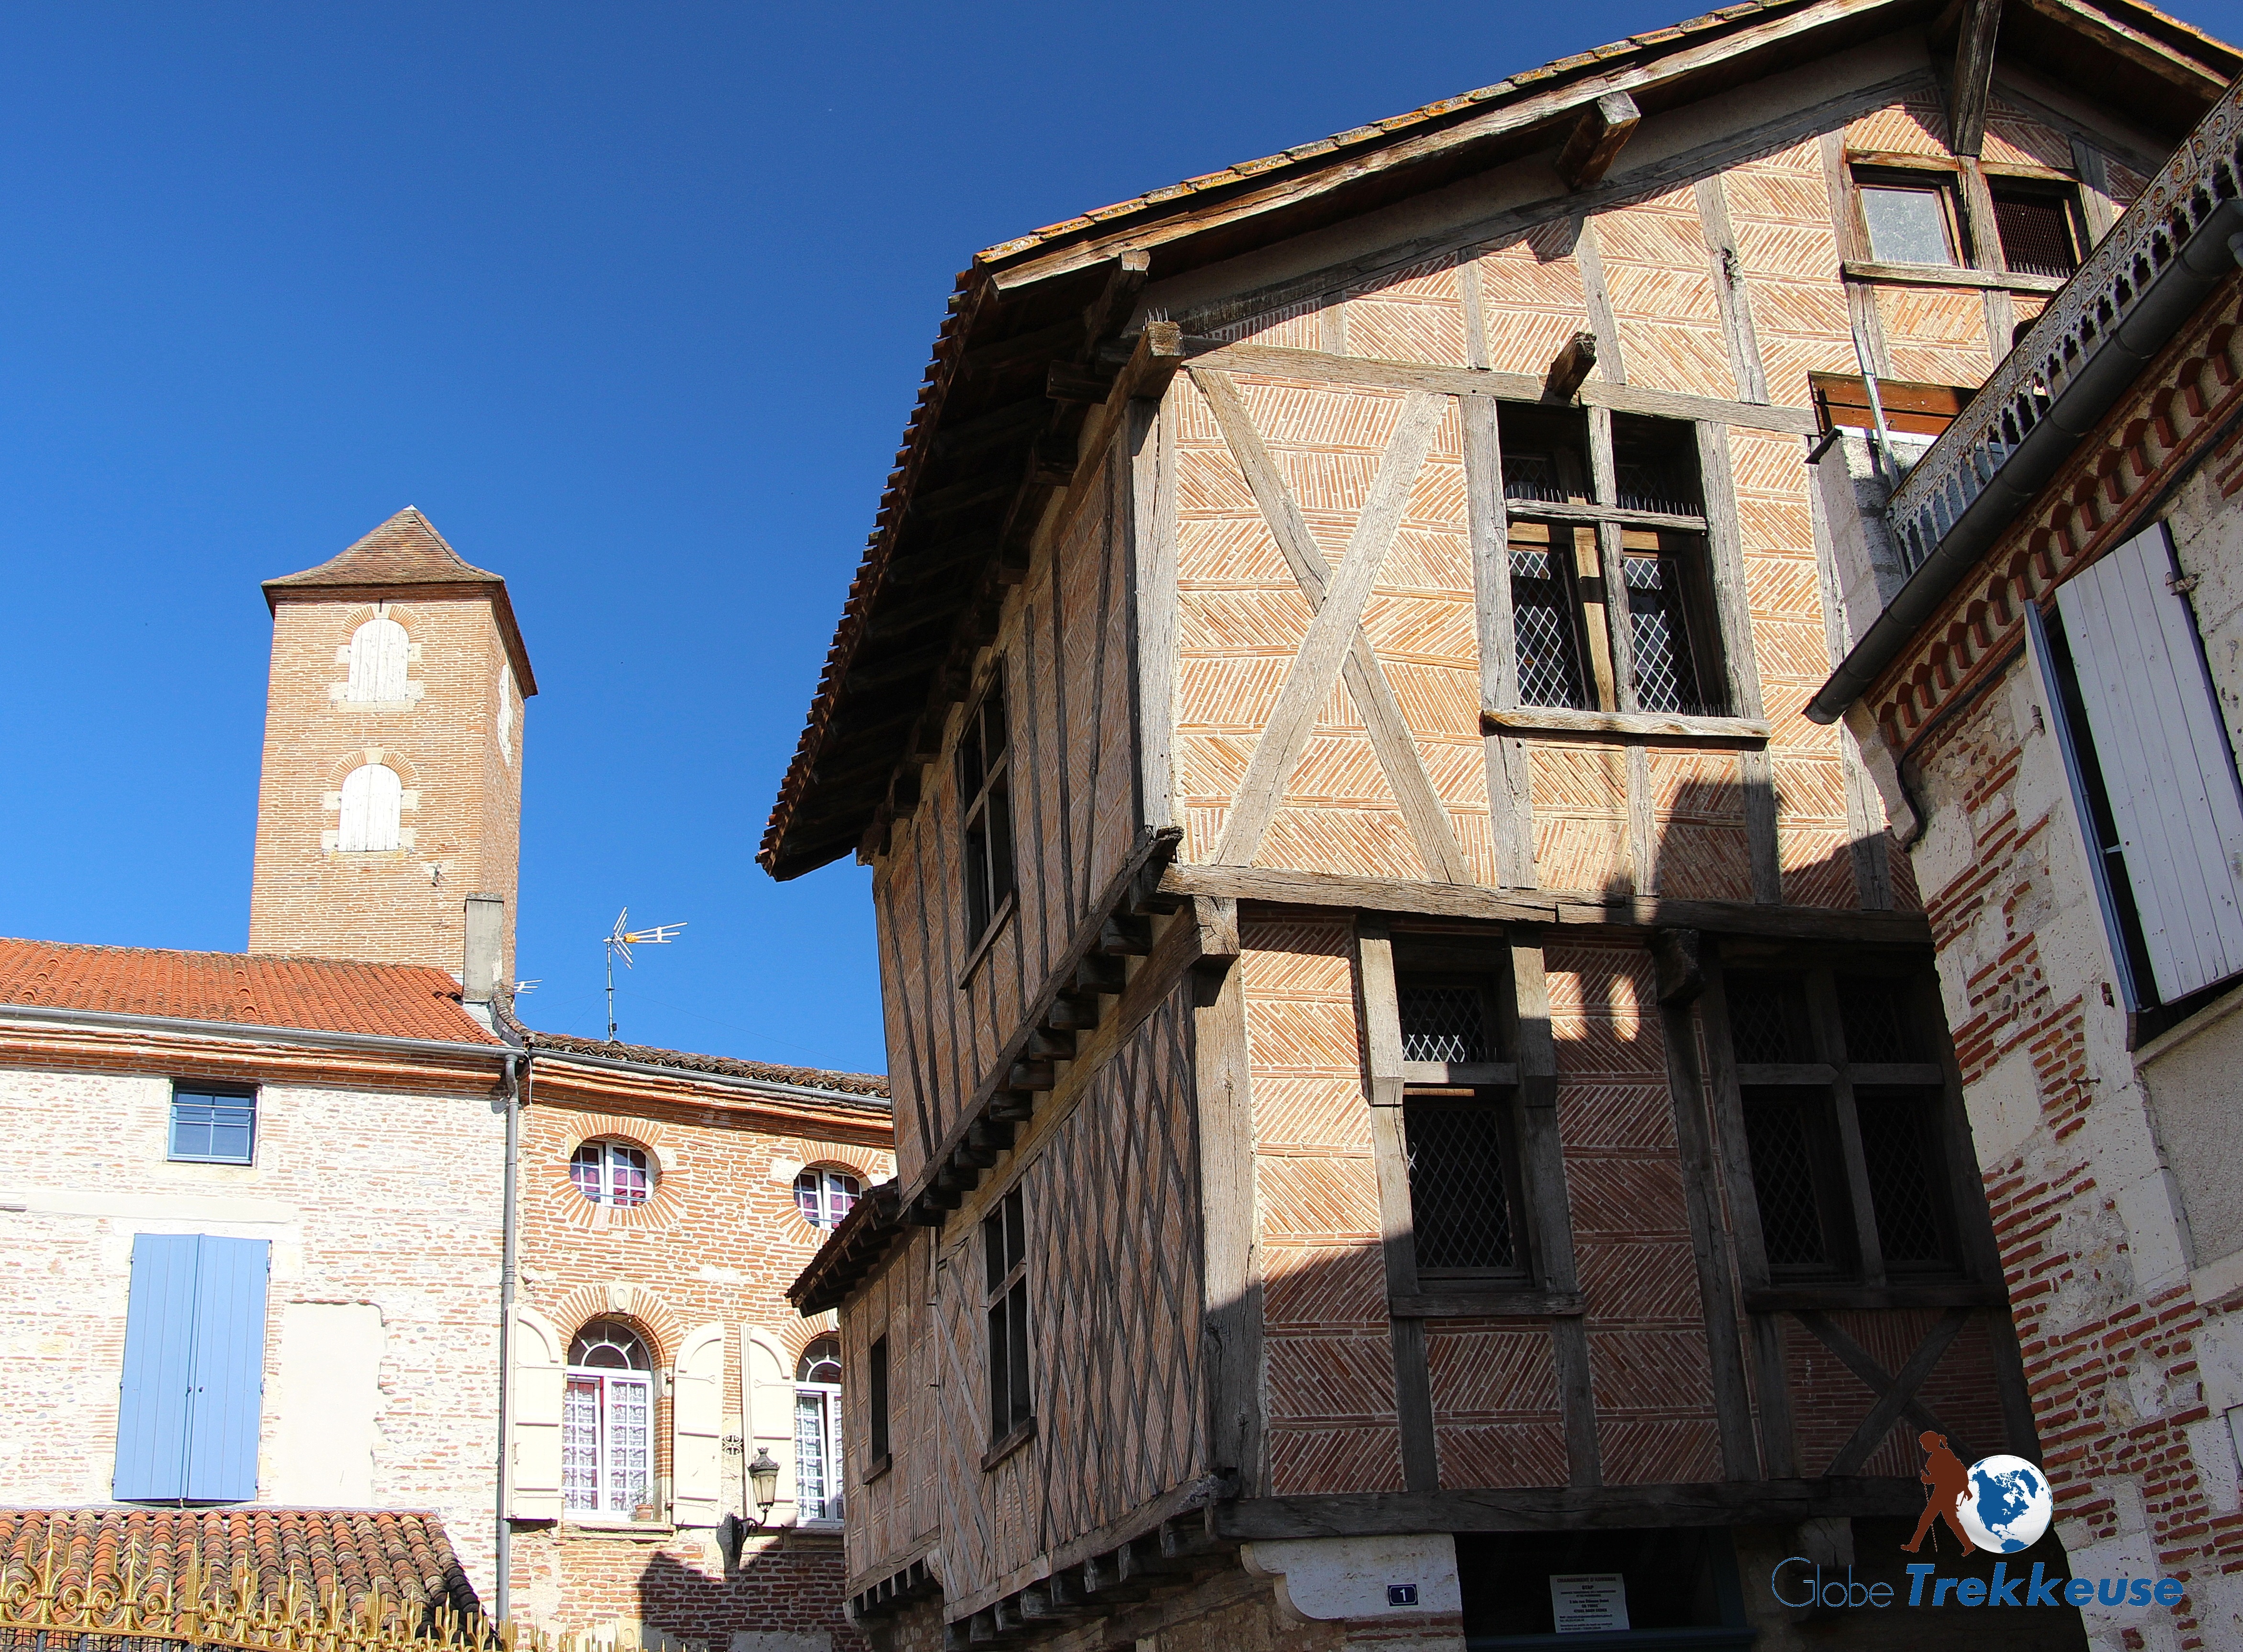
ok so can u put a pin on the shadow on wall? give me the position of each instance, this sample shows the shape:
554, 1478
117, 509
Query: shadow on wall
785, 1598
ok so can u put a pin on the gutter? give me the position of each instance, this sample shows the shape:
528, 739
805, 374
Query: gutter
247, 1032
2161, 310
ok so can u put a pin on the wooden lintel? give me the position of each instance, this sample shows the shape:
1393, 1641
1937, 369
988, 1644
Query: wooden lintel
1597, 138
1570, 366
1974, 77
1772, 1502
1282, 888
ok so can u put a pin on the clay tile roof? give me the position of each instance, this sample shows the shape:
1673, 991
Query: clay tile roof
873, 1087
406, 551
314, 995
404, 1557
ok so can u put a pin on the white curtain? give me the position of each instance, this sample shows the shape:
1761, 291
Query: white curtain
377, 661
372, 798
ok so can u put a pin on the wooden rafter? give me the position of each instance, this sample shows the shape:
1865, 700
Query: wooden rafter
1974, 77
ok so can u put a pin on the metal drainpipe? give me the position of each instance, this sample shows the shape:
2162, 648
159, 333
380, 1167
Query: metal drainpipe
517, 1087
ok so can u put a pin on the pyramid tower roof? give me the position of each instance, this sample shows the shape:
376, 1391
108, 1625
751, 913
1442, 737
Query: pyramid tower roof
404, 553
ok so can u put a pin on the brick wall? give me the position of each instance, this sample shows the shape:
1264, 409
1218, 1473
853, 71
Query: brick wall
719, 1241
462, 785
398, 1218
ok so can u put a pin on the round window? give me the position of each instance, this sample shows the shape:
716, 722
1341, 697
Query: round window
826, 1196
611, 1172
820, 1362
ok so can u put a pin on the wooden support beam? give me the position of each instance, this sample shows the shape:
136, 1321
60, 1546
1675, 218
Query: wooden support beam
1110, 311
1571, 366
1597, 138
1065, 381
1974, 77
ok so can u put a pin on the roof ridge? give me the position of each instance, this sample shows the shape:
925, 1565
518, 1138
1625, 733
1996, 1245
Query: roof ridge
209, 952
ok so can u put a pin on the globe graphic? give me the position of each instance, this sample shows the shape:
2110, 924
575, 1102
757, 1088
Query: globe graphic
2008, 1505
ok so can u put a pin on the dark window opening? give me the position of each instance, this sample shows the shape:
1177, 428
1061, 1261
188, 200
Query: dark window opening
1679, 1577
1798, 1182
2039, 229
1444, 1023
876, 1392
1900, 1150
1767, 1019
1545, 453
1005, 1258
1655, 466
985, 794
1460, 1192
1873, 1012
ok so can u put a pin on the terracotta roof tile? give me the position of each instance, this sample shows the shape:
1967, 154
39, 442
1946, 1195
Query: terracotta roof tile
870, 1086
405, 1557
314, 995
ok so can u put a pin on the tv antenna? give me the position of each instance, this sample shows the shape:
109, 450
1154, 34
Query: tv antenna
620, 939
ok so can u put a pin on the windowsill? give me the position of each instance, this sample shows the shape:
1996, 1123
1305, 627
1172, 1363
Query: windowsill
1481, 1302
1457, 1074
1626, 725
879, 1466
596, 1525
1002, 916
1805, 1298
1950, 275
1011, 1443
2203, 1021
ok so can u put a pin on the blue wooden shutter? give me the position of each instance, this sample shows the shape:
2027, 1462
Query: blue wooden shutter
190, 1396
152, 1407
228, 1372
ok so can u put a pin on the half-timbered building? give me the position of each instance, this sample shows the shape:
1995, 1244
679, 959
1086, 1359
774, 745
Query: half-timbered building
1423, 1109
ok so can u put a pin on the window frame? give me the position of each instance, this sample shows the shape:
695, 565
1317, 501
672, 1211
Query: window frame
987, 851
249, 1094
825, 1398
878, 1445
605, 1380
1944, 183
826, 1176
607, 1146
1828, 1086
2065, 193
1604, 538
1009, 1356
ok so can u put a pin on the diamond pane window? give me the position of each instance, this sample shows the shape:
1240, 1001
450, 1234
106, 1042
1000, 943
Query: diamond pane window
1896, 1150
1665, 675
1458, 1200
1783, 1179
1766, 1013
1445, 1024
1532, 476
1542, 626
1875, 1014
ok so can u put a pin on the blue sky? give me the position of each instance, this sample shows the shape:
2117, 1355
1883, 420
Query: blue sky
633, 302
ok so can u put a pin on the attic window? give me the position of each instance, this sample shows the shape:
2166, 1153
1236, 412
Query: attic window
1910, 218
2038, 229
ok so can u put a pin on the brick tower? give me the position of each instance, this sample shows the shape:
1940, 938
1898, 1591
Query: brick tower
392, 787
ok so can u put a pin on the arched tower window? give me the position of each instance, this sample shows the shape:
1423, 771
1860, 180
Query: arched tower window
377, 661
818, 1431
373, 795
607, 1422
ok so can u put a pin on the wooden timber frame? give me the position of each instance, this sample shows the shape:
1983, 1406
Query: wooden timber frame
1066, 393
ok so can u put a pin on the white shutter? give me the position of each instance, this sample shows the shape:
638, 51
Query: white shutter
540, 1383
2168, 772
767, 1397
696, 1420
377, 661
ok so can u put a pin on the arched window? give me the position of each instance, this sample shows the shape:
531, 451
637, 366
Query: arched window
818, 1431
606, 1422
611, 1172
377, 661
826, 1196
373, 795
